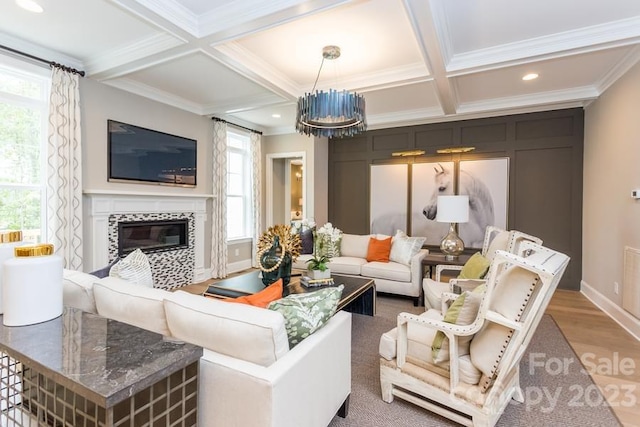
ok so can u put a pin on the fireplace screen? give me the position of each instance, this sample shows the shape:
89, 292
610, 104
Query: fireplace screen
152, 236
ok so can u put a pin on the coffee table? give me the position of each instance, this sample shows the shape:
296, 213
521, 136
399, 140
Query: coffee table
358, 295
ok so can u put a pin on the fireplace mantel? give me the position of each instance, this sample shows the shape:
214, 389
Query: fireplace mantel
99, 204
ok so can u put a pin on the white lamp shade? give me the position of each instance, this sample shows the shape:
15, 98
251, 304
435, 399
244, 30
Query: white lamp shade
453, 209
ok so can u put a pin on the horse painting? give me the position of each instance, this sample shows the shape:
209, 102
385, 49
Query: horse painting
481, 211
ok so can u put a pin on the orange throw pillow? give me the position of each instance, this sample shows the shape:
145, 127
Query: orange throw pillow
263, 298
379, 249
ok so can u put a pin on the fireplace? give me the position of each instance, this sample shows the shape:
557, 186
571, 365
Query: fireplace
152, 236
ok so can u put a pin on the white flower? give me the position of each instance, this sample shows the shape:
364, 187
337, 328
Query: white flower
330, 231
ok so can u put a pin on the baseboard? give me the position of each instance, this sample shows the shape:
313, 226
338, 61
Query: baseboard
238, 266
617, 313
201, 274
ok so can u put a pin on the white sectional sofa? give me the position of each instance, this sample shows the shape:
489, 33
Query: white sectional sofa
248, 375
390, 277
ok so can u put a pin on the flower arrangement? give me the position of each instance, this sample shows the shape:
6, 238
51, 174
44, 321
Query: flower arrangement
304, 224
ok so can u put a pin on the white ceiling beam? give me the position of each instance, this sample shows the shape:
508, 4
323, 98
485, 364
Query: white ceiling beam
425, 24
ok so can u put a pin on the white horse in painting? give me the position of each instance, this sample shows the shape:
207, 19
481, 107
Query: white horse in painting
481, 213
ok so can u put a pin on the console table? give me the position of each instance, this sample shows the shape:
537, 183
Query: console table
81, 369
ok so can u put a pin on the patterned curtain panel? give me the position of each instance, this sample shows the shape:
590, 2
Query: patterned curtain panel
256, 184
219, 211
64, 169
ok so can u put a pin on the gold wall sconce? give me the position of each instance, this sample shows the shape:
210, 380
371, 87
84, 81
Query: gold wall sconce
408, 153
455, 150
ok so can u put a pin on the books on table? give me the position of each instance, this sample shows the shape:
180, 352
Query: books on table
309, 282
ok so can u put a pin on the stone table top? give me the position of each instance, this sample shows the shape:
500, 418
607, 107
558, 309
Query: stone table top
101, 359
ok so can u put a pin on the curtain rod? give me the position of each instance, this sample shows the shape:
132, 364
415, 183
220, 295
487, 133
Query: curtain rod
216, 119
50, 63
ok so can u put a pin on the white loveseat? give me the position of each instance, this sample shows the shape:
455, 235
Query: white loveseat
390, 277
248, 375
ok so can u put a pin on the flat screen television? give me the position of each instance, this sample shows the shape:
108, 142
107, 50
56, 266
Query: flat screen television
143, 155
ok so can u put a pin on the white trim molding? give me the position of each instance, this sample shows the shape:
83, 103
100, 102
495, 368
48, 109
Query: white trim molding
617, 313
234, 267
100, 204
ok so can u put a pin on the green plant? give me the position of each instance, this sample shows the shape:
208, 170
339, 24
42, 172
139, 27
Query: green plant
318, 263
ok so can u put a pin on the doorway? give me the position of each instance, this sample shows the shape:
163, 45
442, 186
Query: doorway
285, 195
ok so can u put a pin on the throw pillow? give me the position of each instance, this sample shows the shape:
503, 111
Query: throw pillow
327, 246
263, 298
475, 268
403, 247
379, 249
306, 313
463, 311
134, 268
104, 271
306, 241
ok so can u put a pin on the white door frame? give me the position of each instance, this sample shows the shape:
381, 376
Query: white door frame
269, 182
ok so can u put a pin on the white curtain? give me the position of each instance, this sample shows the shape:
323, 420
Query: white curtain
219, 211
64, 169
256, 184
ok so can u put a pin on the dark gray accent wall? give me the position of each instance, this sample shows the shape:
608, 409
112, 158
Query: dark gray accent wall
545, 171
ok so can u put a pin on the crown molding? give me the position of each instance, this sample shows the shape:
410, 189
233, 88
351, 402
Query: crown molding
104, 63
240, 19
154, 94
249, 65
240, 104
575, 97
40, 51
590, 39
632, 58
383, 79
170, 10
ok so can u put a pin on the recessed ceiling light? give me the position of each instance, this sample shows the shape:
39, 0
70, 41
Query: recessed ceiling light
30, 5
275, 116
530, 76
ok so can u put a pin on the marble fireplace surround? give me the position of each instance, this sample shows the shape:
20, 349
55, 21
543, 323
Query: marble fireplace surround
100, 206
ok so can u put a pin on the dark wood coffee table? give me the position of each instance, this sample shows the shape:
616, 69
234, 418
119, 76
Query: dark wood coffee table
358, 295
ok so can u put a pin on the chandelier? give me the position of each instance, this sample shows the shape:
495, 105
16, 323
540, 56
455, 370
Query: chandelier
333, 113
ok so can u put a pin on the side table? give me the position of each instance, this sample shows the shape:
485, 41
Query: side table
438, 258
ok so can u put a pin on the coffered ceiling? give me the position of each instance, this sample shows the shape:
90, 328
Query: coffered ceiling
415, 61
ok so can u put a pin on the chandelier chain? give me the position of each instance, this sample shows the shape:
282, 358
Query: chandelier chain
318, 76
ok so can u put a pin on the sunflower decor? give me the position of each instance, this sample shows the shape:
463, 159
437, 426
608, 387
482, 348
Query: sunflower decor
277, 248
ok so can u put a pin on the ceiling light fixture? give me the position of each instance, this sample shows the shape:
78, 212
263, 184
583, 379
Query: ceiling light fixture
275, 116
530, 76
333, 113
30, 5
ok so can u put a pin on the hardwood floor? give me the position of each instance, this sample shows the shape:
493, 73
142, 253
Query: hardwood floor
609, 353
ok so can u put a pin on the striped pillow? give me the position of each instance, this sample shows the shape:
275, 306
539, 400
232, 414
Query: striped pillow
135, 268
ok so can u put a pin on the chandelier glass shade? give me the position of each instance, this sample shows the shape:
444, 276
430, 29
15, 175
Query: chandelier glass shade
332, 113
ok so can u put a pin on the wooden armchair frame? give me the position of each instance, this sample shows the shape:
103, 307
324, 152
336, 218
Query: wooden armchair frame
430, 389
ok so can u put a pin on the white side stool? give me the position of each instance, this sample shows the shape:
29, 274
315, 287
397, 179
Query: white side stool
8, 241
32, 286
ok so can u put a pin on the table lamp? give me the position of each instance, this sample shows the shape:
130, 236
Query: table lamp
454, 210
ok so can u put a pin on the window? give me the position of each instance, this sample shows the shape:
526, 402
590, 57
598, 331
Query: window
24, 97
238, 186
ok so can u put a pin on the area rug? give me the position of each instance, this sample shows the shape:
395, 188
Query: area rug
562, 395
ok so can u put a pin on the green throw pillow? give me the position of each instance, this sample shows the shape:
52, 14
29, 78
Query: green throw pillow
475, 268
325, 245
306, 313
463, 311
